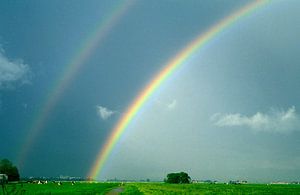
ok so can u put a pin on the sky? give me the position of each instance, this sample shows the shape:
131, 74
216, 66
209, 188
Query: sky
230, 112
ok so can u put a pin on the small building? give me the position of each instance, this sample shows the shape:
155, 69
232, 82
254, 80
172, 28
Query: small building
3, 178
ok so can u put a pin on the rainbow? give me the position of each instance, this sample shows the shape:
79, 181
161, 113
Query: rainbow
72, 68
162, 76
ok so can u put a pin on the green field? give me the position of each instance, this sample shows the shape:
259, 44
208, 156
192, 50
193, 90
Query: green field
54, 188
161, 188
149, 188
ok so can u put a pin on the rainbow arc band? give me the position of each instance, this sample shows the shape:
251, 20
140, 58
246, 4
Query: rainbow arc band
162, 76
88, 46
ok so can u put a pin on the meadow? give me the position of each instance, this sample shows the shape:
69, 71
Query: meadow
54, 188
161, 188
149, 188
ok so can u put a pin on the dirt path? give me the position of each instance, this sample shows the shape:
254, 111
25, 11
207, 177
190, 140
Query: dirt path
115, 191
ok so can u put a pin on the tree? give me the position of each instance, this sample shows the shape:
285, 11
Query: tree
6, 167
181, 177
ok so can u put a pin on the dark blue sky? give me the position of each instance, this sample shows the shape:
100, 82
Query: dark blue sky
238, 97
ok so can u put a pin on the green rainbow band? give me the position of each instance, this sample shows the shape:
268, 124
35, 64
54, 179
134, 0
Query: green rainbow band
162, 76
70, 71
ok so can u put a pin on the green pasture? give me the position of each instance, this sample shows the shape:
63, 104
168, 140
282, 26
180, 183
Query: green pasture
54, 188
161, 188
149, 188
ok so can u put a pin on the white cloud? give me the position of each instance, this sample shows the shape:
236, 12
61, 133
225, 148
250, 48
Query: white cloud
276, 120
104, 112
172, 104
12, 71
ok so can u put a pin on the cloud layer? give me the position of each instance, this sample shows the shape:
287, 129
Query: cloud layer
172, 104
276, 120
104, 112
12, 71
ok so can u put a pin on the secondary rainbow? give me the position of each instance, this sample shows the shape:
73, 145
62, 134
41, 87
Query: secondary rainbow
70, 71
162, 76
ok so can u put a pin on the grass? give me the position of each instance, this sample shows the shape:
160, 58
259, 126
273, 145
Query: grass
131, 189
149, 188
65, 188
161, 188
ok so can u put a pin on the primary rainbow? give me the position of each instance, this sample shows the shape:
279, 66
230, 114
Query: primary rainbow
71, 69
158, 80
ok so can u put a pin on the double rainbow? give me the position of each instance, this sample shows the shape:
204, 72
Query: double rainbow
162, 76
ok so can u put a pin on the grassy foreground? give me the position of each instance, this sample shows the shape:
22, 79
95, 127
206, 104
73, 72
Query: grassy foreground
161, 188
54, 188
149, 188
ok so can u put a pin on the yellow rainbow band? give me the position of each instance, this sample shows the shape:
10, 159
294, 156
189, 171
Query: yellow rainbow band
171, 66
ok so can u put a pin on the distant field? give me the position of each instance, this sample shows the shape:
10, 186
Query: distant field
54, 188
161, 188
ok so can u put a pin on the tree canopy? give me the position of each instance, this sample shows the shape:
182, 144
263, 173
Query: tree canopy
181, 177
6, 167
